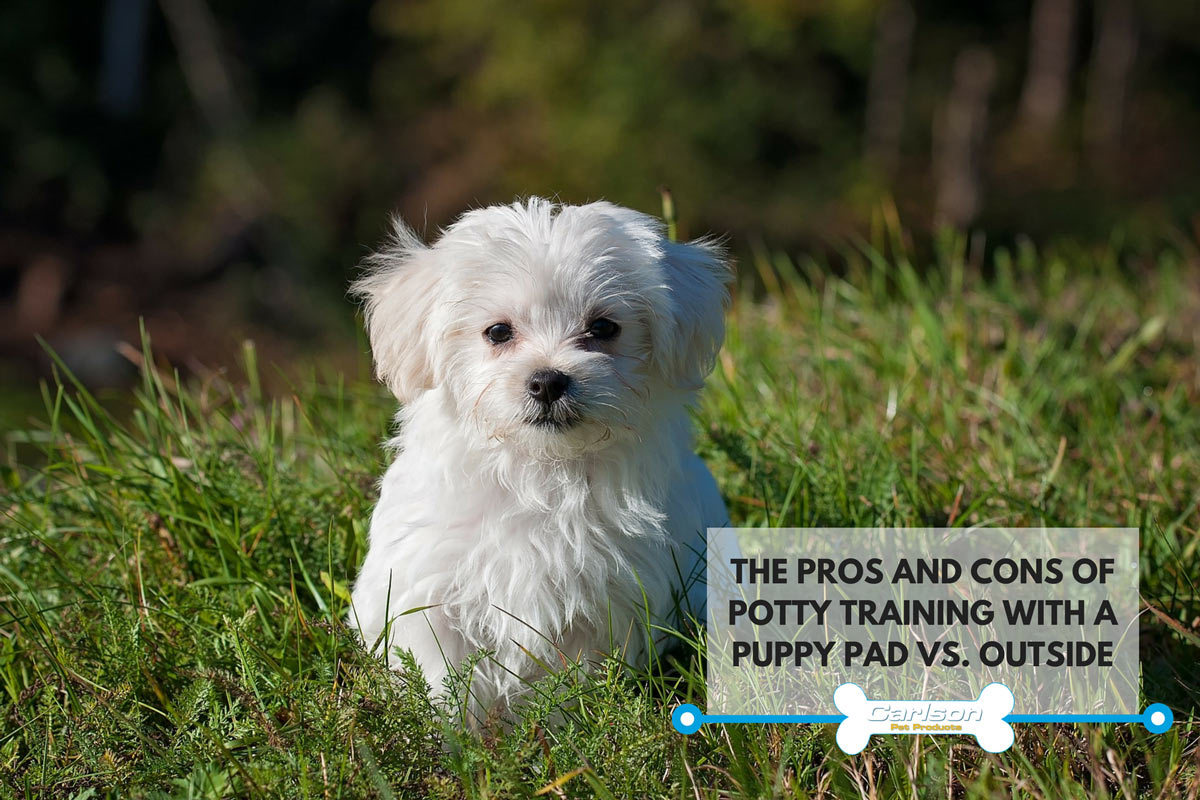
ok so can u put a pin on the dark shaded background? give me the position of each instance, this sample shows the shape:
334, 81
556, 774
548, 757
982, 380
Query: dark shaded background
218, 168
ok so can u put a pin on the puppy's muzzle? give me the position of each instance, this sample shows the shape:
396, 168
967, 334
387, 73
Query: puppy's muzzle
548, 389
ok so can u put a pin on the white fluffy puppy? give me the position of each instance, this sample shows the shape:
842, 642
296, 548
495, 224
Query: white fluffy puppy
544, 500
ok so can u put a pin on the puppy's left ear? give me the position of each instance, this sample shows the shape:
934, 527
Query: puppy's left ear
399, 292
687, 338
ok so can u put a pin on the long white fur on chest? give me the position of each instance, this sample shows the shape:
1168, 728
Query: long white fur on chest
520, 558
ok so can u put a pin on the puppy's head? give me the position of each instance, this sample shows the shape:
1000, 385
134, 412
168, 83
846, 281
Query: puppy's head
556, 329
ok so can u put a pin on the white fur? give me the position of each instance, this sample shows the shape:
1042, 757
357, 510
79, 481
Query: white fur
519, 539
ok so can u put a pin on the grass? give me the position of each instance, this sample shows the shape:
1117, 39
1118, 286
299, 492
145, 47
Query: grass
172, 582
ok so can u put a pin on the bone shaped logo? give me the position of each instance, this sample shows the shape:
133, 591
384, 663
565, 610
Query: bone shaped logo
982, 718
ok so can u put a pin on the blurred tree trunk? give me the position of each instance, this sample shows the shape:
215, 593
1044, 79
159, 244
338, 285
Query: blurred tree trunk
1048, 75
958, 136
122, 46
206, 70
194, 32
1108, 85
888, 84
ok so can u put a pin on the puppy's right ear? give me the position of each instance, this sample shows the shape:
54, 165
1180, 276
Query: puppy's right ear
397, 293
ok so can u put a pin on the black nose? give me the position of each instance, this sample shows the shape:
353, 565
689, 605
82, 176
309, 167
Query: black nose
547, 385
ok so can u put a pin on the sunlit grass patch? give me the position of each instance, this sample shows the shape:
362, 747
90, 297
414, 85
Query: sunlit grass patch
173, 580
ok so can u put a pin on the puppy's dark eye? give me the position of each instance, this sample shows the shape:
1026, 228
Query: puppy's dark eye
603, 329
499, 333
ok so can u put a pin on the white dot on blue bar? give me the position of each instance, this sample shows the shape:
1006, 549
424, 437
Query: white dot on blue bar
687, 718
1158, 718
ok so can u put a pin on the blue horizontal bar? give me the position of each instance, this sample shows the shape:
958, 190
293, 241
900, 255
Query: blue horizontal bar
1074, 718
812, 718
836, 718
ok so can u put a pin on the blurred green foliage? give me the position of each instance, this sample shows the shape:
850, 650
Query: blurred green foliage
283, 135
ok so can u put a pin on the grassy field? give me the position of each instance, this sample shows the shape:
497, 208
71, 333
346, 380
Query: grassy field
172, 583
